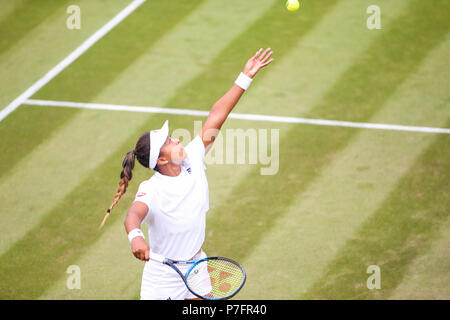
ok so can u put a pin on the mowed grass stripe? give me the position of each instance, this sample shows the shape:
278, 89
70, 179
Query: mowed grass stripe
191, 48
62, 150
304, 150
23, 19
70, 226
317, 61
400, 47
402, 229
428, 275
59, 214
51, 171
47, 44
9, 6
276, 29
28, 61
106, 60
352, 187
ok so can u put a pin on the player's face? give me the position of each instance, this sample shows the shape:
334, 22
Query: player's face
173, 151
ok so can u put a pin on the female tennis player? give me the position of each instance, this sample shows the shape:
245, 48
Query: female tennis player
174, 201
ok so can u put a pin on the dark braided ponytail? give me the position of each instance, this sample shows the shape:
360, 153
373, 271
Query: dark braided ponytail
141, 152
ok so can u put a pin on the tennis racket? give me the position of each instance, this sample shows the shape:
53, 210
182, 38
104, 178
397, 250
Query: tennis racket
211, 278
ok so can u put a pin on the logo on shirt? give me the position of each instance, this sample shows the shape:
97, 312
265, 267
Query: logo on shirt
189, 170
140, 194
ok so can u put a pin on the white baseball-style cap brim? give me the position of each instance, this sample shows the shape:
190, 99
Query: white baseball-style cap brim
157, 139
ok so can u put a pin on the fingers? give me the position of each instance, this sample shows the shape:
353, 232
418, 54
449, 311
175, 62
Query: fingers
263, 55
264, 58
258, 61
140, 254
263, 61
257, 53
266, 63
136, 253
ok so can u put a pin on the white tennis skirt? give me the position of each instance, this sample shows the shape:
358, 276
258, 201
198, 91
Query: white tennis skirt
161, 282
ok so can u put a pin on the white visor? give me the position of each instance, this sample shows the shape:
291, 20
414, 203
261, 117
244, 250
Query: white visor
157, 139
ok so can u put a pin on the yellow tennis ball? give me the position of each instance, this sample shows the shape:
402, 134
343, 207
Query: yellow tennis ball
292, 5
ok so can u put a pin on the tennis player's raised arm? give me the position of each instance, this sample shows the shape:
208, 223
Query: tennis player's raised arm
222, 108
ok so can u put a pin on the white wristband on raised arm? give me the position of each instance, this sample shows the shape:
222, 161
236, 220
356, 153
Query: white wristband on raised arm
243, 81
135, 233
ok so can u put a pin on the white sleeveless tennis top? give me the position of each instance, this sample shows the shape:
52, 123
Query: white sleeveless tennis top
176, 217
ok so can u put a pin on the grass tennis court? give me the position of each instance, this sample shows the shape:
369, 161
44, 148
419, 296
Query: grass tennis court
342, 199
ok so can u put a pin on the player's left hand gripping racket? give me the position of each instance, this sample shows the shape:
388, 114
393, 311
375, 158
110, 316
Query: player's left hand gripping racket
211, 278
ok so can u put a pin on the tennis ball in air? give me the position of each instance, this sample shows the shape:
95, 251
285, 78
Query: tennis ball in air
292, 5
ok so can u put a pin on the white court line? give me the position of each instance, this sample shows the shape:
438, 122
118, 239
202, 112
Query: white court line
241, 116
70, 58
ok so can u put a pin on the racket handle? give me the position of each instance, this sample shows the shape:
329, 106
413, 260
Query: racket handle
157, 257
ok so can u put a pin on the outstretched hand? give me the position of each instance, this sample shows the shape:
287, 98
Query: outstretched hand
257, 62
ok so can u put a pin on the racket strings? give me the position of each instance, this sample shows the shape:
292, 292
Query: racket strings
215, 278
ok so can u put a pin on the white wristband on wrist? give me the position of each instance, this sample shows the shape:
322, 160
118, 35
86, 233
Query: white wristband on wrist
135, 233
243, 81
